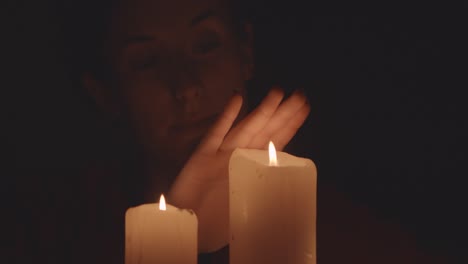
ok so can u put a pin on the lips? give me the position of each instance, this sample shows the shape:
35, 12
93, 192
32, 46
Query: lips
199, 125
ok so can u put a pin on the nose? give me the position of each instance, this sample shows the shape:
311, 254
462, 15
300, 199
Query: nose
187, 91
187, 85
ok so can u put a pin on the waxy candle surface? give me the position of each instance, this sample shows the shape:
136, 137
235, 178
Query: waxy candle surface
160, 236
272, 208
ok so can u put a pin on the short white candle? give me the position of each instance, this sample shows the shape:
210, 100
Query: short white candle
160, 233
272, 208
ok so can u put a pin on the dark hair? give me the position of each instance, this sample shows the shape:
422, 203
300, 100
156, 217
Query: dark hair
85, 28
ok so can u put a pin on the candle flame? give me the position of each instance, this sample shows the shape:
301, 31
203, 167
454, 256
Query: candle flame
272, 154
162, 203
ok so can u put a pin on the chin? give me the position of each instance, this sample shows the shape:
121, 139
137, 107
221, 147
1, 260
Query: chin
181, 151
176, 148
192, 146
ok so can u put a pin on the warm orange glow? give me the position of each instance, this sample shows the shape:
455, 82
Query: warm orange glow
272, 154
162, 203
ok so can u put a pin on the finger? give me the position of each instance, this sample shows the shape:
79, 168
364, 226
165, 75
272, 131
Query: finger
285, 112
284, 135
242, 134
215, 136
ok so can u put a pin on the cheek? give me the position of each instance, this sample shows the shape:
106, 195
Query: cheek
222, 79
148, 107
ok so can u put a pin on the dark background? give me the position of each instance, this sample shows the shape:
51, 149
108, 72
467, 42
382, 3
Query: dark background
388, 123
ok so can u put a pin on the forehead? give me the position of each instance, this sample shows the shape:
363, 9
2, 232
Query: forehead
143, 16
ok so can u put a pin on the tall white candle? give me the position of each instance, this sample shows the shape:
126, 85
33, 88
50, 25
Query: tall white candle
272, 208
160, 233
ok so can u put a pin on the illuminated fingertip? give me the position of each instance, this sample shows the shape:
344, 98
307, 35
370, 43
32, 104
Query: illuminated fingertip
278, 89
237, 99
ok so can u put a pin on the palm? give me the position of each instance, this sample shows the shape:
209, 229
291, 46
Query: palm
203, 182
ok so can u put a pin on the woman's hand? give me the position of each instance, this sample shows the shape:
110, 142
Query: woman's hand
203, 183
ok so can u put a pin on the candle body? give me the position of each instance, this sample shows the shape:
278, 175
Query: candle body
272, 209
154, 236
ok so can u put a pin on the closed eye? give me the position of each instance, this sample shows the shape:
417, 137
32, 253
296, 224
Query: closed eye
147, 62
207, 43
207, 47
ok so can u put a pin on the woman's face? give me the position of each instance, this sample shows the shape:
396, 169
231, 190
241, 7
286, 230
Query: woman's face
177, 63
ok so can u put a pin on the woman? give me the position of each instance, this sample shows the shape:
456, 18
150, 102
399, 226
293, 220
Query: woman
175, 74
